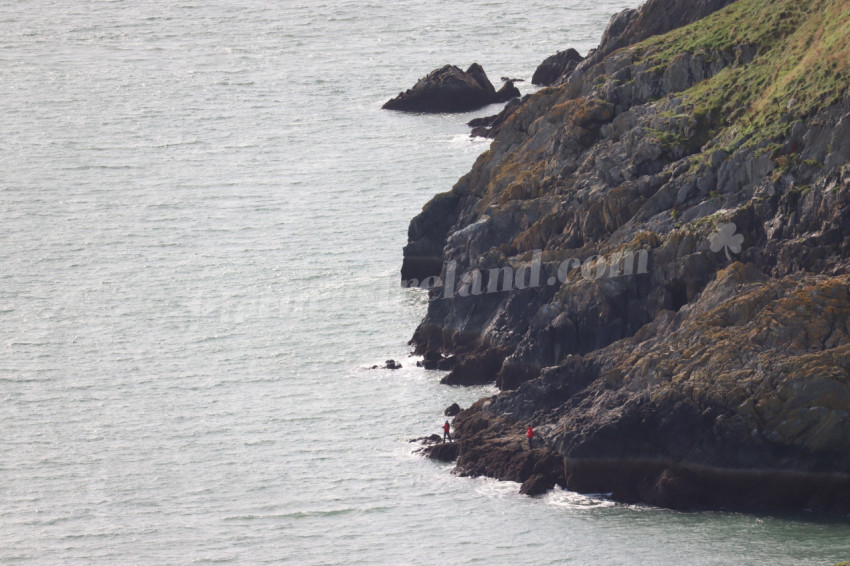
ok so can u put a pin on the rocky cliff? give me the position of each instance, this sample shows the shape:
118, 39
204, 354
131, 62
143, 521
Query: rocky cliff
652, 259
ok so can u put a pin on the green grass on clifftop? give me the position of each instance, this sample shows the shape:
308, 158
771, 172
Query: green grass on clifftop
803, 64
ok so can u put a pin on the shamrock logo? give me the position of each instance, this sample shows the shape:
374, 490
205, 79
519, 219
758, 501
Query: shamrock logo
726, 239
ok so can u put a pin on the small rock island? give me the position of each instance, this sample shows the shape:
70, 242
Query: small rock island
449, 89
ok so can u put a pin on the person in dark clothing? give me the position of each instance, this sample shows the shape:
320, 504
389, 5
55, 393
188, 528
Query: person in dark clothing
446, 433
530, 435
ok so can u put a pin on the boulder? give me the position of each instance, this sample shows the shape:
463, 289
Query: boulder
452, 410
556, 66
449, 89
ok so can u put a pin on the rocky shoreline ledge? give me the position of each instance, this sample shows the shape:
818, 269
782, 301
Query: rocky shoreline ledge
713, 137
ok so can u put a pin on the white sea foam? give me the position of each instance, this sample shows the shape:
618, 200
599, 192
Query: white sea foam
577, 501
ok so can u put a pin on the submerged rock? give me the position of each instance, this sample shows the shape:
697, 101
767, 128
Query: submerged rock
449, 89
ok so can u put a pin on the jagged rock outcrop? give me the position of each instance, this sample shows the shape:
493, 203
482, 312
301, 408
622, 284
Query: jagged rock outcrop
584, 263
449, 89
489, 126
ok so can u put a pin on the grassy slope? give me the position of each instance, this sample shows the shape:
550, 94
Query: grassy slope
803, 64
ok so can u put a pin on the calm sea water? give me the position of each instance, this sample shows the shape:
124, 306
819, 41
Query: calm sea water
203, 210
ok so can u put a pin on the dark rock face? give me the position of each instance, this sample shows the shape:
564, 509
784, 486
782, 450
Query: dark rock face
538, 484
686, 340
435, 360
449, 89
556, 66
444, 452
423, 255
475, 369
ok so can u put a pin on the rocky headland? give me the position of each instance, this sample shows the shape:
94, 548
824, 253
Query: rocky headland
652, 261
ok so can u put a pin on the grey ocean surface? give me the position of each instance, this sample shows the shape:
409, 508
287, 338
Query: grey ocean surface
203, 209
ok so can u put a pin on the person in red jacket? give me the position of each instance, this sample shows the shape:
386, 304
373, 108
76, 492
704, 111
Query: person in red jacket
446, 433
530, 435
